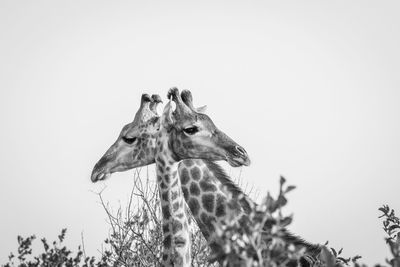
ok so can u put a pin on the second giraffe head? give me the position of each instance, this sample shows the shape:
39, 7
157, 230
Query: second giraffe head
193, 135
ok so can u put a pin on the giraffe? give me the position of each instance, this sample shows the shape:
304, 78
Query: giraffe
187, 134
176, 243
210, 177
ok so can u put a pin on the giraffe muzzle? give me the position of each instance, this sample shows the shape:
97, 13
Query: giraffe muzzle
99, 176
100, 171
238, 157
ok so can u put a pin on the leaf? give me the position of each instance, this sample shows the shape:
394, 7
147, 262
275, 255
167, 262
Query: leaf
393, 227
334, 252
282, 180
384, 209
290, 188
346, 261
327, 257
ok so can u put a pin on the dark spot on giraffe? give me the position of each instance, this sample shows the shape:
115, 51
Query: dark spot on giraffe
141, 155
220, 210
188, 163
174, 174
185, 188
160, 148
208, 202
183, 172
174, 195
203, 217
207, 187
166, 212
167, 241
194, 189
160, 169
175, 206
147, 150
168, 168
194, 206
160, 161
208, 221
179, 215
179, 241
159, 179
211, 227
234, 205
165, 228
204, 230
145, 136
165, 257
187, 145
166, 178
196, 173
185, 192
176, 226
163, 185
215, 247
184, 178
165, 195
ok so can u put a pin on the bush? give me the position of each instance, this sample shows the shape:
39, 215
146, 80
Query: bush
53, 255
135, 238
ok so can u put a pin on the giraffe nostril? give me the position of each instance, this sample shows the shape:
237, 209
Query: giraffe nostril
241, 150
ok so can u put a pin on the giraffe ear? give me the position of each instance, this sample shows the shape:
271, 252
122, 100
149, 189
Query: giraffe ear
167, 118
202, 109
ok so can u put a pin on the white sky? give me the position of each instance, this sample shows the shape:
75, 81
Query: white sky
311, 90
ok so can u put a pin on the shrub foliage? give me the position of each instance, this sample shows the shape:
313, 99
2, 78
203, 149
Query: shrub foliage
135, 238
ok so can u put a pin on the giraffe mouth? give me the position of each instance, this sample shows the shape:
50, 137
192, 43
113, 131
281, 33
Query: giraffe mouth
99, 176
237, 162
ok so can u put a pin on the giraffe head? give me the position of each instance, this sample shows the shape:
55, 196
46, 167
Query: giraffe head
135, 144
194, 135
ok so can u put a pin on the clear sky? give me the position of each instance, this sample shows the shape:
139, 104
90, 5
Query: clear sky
310, 89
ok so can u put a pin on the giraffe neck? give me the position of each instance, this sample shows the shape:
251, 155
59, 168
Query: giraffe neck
176, 243
200, 179
207, 198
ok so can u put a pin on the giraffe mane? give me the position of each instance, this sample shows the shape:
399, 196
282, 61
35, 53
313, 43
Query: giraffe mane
311, 249
231, 186
247, 204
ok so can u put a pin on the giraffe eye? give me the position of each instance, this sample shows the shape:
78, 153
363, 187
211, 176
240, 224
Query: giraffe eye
129, 140
191, 130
